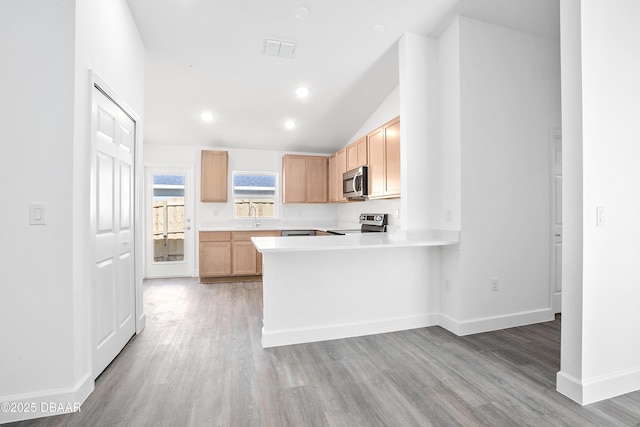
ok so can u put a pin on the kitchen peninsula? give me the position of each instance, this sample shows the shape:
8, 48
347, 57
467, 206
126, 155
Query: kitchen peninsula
329, 287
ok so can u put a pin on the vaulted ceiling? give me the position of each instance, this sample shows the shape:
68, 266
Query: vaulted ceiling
207, 56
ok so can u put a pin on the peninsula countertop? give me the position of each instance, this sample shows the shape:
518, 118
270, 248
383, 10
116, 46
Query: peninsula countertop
400, 239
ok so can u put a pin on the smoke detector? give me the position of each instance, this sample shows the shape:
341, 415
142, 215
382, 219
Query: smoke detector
279, 48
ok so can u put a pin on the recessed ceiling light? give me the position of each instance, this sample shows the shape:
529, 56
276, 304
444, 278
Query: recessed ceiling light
289, 124
378, 29
206, 116
302, 91
302, 12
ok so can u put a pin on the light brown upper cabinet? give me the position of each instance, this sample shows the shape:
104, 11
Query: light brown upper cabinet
304, 179
337, 167
213, 176
357, 153
384, 161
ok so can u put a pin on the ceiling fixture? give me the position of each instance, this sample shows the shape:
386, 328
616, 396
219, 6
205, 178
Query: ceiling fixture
278, 48
302, 12
206, 116
289, 124
377, 29
302, 92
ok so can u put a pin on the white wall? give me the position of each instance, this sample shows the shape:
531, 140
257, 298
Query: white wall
509, 101
46, 48
602, 114
572, 211
449, 170
419, 130
387, 110
37, 107
449, 96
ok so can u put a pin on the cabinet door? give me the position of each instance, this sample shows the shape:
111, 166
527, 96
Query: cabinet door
352, 156
245, 258
333, 182
392, 158
294, 179
213, 176
215, 259
317, 181
363, 152
341, 168
357, 153
376, 163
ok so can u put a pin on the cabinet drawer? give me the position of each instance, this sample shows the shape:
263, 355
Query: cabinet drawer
215, 236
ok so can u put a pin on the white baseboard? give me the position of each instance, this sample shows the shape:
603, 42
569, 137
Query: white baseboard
141, 323
557, 302
600, 388
46, 403
569, 386
494, 323
282, 337
331, 332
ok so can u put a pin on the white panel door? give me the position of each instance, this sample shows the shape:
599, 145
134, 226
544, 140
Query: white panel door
556, 141
114, 287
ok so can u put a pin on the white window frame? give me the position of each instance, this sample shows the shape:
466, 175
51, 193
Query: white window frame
275, 196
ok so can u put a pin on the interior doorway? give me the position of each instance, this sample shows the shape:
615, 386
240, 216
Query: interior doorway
169, 232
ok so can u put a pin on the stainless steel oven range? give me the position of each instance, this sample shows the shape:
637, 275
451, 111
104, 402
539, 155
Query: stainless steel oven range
370, 223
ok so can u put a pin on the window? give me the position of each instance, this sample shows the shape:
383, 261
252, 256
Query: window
255, 190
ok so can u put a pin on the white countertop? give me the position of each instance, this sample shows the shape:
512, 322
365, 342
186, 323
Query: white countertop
400, 239
267, 227
262, 228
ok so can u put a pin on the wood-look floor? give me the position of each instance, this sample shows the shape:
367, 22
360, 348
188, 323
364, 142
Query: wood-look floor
199, 362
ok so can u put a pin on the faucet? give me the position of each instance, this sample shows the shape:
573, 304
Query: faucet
256, 223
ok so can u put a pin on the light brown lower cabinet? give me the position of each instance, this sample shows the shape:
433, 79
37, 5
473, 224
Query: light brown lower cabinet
215, 254
230, 254
244, 257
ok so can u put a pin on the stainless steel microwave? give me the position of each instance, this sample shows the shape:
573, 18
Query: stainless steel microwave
355, 183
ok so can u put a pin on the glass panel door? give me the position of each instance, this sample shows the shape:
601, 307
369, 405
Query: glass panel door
168, 218
169, 233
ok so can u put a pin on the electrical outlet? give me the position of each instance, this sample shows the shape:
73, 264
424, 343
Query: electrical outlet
494, 284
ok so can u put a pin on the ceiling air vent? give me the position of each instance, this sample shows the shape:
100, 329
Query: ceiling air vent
278, 48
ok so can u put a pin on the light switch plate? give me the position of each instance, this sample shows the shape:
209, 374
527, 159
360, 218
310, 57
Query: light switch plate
37, 214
